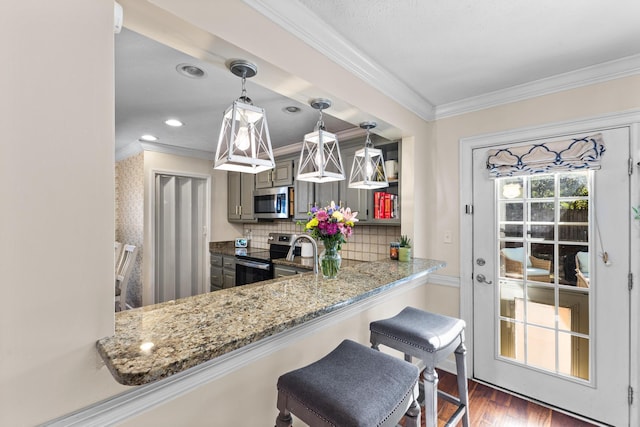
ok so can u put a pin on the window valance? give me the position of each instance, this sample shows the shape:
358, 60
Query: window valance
557, 156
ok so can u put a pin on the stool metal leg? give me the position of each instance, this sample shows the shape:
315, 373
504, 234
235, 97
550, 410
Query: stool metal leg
430, 396
284, 416
412, 417
463, 389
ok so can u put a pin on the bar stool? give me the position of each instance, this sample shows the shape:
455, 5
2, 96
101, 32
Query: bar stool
353, 386
430, 338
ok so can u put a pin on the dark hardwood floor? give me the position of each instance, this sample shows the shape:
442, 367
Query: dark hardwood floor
491, 407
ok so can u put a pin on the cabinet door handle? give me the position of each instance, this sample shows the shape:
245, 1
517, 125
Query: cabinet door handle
240, 210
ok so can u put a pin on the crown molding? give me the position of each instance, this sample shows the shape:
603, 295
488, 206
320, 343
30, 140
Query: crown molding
177, 151
623, 67
129, 150
303, 24
136, 147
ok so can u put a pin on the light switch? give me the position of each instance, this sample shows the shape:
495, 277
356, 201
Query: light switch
447, 237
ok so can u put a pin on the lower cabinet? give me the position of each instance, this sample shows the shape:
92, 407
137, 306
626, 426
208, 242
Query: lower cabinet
223, 271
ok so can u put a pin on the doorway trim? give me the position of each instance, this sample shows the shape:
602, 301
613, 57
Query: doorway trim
148, 291
629, 118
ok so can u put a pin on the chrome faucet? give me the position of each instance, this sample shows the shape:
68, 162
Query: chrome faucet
291, 253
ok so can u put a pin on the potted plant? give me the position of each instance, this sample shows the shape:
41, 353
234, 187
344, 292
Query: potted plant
404, 254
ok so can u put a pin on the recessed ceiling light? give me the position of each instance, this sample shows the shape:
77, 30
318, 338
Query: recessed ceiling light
291, 109
173, 122
148, 138
191, 70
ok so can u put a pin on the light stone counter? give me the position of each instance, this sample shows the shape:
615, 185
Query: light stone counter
191, 331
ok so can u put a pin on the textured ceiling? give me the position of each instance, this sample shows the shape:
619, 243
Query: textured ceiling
451, 50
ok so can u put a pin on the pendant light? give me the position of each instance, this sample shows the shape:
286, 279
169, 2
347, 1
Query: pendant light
368, 171
320, 159
244, 144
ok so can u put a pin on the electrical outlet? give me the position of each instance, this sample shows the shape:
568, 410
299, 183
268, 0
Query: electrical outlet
447, 237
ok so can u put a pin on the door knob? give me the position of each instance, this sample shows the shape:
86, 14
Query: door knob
482, 279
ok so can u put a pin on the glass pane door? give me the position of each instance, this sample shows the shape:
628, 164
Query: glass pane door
544, 287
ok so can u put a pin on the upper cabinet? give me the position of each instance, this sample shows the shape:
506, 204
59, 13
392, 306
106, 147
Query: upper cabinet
303, 196
384, 204
240, 188
379, 207
280, 176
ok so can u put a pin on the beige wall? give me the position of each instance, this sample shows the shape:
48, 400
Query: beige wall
57, 214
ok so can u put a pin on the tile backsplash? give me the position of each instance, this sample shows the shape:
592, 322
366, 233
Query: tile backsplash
367, 243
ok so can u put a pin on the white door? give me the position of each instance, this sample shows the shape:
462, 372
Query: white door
180, 237
541, 328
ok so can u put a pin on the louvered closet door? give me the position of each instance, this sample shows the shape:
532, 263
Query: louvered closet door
180, 267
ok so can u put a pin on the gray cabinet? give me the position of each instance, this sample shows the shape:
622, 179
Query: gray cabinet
228, 271
240, 188
223, 271
217, 277
303, 194
280, 176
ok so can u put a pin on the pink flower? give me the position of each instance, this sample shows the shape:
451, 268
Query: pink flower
322, 215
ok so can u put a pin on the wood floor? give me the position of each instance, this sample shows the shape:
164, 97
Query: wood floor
490, 407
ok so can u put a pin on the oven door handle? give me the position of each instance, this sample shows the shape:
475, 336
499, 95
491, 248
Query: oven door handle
251, 264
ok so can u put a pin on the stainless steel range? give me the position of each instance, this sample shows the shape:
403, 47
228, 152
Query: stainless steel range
255, 265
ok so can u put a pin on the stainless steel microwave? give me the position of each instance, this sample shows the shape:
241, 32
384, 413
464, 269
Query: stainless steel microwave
272, 203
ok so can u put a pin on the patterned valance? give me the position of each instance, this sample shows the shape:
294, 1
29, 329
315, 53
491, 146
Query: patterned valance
557, 156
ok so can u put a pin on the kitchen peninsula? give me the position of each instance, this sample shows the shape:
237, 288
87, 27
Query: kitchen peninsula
155, 342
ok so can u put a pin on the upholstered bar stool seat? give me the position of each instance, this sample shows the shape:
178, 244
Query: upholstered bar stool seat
353, 386
431, 338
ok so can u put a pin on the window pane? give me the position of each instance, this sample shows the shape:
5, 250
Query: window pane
512, 230
512, 260
576, 303
545, 232
541, 262
511, 211
512, 340
542, 211
542, 186
573, 233
567, 267
510, 188
541, 345
510, 292
576, 211
573, 356
574, 184
541, 306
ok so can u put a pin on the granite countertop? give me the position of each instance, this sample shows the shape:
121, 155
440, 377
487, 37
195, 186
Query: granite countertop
307, 263
191, 331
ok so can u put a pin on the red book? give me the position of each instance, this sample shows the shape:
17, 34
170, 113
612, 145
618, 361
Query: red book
387, 205
376, 205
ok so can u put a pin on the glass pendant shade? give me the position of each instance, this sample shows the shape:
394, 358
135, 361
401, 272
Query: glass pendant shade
368, 170
244, 144
320, 158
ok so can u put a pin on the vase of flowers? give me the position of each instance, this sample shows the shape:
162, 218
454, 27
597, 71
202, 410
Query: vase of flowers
332, 225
